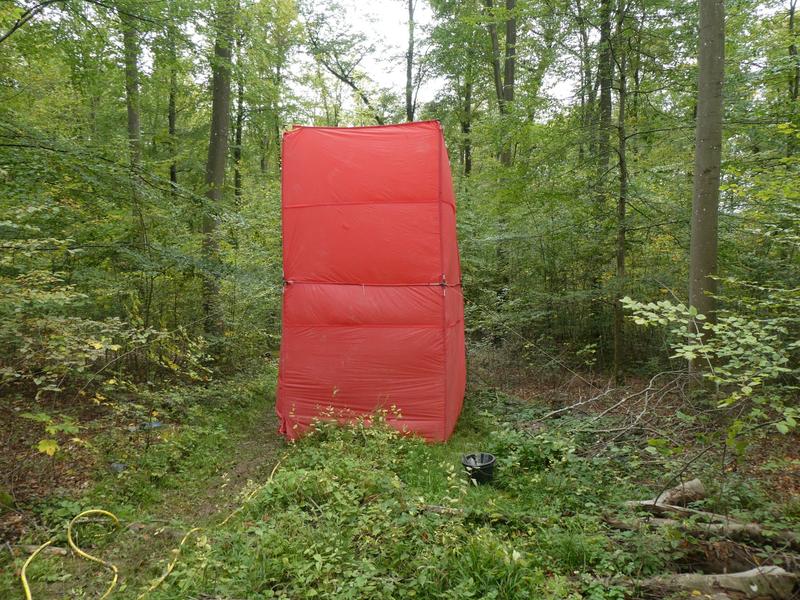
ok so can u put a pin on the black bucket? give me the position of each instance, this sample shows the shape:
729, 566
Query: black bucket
479, 466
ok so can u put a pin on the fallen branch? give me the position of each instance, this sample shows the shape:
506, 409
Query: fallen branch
682, 494
725, 556
665, 510
729, 529
761, 582
29, 548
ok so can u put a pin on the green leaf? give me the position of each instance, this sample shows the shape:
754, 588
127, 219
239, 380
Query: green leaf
39, 417
47, 446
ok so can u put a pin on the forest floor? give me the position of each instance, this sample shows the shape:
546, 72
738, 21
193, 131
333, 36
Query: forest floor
362, 513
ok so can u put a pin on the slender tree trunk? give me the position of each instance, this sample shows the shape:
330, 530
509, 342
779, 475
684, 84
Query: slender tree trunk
237, 138
509, 71
264, 162
599, 301
215, 166
605, 74
587, 89
497, 74
708, 156
622, 205
510, 62
410, 64
172, 114
130, 44
466, 128
794, 76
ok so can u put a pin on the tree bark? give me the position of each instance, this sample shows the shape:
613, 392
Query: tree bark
497, 75
622, 203
503, 80
466, 128
172, 112
605, 75
510, 63
509, 71
237, 136
410, 108
794, 75
215, 166
708, 155
587, 95
130, 45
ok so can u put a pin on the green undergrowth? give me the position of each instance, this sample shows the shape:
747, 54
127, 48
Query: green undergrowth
361, 512
156, 479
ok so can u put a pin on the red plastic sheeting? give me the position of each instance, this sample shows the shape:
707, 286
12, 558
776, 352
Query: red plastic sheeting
373, 314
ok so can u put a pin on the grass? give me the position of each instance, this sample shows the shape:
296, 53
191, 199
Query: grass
349, 512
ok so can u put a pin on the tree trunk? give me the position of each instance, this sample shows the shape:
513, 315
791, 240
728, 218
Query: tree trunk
264, 161
509, 71
237, 138
466, 128
794, 75
510, 63
708, 154
622, 204
172, 113
587, 96
495, 48
410, 64
605, 75
130, 44
215, 167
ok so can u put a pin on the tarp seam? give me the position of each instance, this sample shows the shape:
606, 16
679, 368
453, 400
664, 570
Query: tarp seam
371, 203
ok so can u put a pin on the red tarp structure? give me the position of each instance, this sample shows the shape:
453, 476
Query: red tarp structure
373, 314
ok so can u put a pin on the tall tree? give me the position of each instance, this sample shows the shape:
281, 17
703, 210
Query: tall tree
130, 44
605, 75
172, 103
504, 78
794, 73
708, 155
217, 158
410, 104
621, 56
239, 124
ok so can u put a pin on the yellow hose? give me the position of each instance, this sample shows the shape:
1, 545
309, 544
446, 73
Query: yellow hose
86, 555
255, 491
111, 566
22, 576
170, 566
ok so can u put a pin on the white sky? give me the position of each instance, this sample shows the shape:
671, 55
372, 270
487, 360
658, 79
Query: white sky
385, 23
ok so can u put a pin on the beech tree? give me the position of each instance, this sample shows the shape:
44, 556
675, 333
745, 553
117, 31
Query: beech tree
217, 159
708, 156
